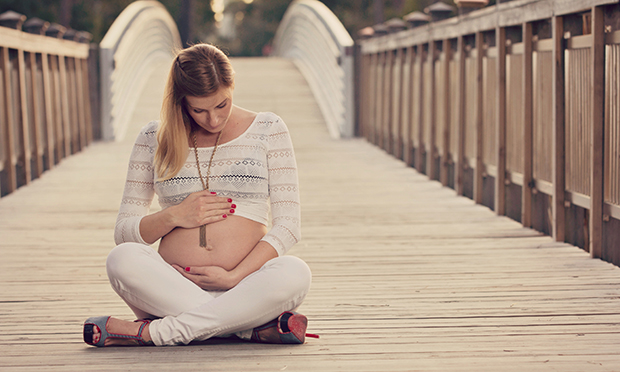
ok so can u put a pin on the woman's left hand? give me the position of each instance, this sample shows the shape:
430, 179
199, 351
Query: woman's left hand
211, 278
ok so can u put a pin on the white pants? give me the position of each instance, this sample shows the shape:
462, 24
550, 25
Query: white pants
154, 289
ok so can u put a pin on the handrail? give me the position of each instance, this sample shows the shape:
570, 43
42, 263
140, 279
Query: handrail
142, 36
45, 112
321, 47
514, 105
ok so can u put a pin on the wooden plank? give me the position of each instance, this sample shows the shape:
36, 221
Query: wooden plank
378, 135
409, 145
49, 110
598, 130
558, 220
407, 106
372, 91
88, 122
9, 117
421, 150
528, 148
59, 136
386, 120
24, 125
16, 39
397, 97
399, 109
65, 105
479, 162
431, 152
500, 177
36, 118
445, 135
460, 112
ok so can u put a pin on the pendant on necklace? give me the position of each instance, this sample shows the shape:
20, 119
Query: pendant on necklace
203, 236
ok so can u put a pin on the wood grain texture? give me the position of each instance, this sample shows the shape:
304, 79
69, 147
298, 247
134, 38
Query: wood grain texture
408, 276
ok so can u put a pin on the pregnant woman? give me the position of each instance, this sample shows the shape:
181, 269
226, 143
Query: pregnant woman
219, 172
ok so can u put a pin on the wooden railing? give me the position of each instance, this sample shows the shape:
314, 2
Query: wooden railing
514, 105
45, 110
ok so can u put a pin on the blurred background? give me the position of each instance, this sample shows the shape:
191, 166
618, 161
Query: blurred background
241, 27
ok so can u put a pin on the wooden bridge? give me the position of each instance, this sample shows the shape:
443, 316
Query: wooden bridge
407, 275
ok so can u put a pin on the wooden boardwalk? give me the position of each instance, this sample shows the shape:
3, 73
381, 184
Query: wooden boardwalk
407, 276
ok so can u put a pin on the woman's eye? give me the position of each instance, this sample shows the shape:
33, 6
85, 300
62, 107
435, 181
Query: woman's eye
197, 111
222, 105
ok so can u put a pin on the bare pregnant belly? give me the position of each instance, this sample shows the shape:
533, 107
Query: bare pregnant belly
228, 242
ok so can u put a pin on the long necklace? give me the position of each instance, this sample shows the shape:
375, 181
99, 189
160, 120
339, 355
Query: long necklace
205, 181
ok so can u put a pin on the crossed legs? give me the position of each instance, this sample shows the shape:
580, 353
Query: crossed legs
183, 312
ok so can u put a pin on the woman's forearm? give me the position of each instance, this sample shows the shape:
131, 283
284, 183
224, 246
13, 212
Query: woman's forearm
156, 225
259, 255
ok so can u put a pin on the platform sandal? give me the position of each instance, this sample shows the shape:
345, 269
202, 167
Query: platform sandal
100, 324
288, 328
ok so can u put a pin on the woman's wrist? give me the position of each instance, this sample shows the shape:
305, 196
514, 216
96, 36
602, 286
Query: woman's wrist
169, 217
235, 276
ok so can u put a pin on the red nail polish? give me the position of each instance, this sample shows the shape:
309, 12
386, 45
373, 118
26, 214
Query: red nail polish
232, 211
213, 193
234, 206
187, 269
224, 216
230, 200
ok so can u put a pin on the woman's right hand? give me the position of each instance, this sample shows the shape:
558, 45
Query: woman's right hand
201, 208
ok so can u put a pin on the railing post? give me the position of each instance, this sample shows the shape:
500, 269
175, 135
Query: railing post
25, 117
558, 105
397, 118
527, 188
419, 159
388, 83
36, 118
597, 135
431, 153
460, 112
9, 141
500, 132
408, 142
445, 135
478, 172
49, 116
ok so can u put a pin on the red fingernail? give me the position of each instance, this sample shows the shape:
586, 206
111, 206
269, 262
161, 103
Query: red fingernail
187, 269
234, 206
213, 193
232, 211
224, 216
230, 200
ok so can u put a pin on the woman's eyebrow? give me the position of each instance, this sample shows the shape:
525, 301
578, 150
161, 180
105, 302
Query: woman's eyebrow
199, 108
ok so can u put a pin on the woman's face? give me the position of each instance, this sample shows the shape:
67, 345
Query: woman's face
211, 113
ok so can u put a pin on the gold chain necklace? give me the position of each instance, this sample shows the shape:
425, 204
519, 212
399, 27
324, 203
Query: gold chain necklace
205, 181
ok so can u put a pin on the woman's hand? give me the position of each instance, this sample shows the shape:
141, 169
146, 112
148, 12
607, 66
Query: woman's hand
211, 278
201, 208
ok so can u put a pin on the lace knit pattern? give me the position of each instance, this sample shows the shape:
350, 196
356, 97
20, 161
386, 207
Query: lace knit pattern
257, 170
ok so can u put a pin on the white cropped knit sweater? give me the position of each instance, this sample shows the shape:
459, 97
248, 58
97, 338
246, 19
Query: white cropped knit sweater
257, 170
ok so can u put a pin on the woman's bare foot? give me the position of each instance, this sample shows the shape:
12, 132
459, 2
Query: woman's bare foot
123, 327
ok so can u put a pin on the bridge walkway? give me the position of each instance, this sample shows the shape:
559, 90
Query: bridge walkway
407, 276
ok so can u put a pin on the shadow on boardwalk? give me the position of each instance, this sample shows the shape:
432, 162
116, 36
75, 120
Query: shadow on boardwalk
407, 276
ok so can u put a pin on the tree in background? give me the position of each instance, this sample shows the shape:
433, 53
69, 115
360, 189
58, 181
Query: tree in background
242, 27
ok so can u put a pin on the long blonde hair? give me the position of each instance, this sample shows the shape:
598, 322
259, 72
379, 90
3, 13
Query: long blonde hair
197, 71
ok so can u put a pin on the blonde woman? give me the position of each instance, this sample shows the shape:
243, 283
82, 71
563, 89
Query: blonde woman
219, 171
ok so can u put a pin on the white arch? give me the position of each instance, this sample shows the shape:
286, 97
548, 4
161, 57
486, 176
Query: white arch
143, 36
322, 49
